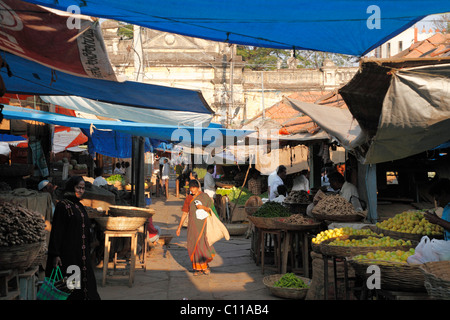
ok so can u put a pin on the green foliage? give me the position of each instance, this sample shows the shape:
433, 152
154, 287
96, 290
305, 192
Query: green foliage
125, 31
257, 58
271, 59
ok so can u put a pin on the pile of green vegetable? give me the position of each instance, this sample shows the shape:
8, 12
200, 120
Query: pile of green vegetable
272, 209
116, 177
290, 280
233, 194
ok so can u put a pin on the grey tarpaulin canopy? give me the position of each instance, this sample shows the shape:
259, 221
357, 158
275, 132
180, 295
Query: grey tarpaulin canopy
402, 107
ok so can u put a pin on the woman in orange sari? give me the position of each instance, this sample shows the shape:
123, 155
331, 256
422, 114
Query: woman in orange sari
200, 253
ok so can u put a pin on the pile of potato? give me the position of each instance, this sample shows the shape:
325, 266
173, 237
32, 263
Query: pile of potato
19, 225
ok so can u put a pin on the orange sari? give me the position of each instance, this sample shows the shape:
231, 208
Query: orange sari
200, 253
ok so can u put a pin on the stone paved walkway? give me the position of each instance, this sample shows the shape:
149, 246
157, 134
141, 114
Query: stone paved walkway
234, 274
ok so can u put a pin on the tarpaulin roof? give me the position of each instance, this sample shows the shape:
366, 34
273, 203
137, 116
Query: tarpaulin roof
122, 112
29, 77
349, 27
114, 144
402, 106
183, 134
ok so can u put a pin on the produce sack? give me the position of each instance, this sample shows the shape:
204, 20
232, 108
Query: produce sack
215, 229
424, 252
53, 287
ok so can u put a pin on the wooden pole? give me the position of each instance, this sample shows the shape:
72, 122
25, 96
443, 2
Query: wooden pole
245, 181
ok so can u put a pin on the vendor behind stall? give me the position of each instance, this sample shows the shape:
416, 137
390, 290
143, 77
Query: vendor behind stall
99, 180
209, 183
274, 180
301, 181
346, 190
282, 193
441, 193
47, 186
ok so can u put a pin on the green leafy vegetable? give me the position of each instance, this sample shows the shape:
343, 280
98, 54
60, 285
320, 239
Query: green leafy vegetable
272, 209
290, 280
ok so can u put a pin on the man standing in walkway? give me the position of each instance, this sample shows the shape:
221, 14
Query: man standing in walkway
165, 177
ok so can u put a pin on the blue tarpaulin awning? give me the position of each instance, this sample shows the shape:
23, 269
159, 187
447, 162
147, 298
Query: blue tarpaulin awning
349, 27
29, 77
206, 136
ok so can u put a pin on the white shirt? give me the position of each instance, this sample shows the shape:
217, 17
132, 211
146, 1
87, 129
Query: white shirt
301, 183
209, 184
100, 181
275, 182
279, 199
165, 171
348, 191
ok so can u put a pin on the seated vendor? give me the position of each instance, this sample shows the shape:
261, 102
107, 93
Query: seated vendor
282, 193
99, 180
344, 188
153, 231
441, 193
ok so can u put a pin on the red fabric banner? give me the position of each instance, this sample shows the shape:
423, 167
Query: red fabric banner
56, 39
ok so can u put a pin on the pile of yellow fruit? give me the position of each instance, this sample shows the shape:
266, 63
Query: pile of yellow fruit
392, 256
412, 222
339, 232
371, 242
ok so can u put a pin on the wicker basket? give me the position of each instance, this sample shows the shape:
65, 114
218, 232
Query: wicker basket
298, 227
129, 211
120, 223
237, 229
41, 256
266, 223
287, 293
404, 235
339, 217
315, 247
394, 276
19, 257
341, 251
437, 279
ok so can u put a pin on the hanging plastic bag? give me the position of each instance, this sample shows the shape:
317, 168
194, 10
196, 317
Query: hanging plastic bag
441, 249
424, 252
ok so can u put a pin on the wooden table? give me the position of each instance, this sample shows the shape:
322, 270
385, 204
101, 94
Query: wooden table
118, 234
289, 235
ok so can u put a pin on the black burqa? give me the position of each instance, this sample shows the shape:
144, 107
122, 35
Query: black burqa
70, 240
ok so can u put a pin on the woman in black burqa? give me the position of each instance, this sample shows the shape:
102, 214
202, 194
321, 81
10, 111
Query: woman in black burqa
70, 240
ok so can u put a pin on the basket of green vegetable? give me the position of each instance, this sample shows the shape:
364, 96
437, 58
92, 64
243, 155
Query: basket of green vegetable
269, 215
288, 285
